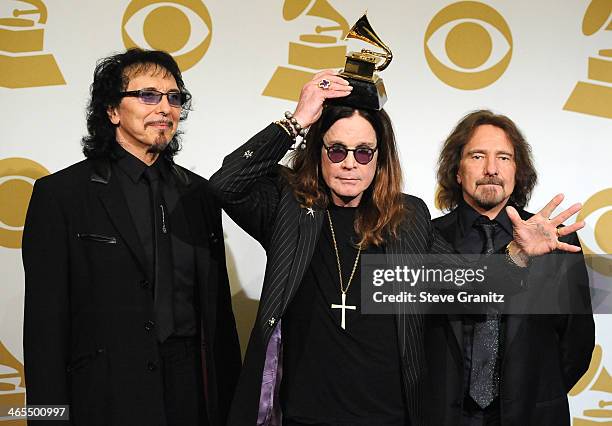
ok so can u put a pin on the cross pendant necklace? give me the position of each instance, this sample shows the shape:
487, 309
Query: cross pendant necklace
344, 307
343, 290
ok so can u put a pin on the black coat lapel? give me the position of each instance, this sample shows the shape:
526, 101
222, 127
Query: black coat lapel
448, 226
410, 332
393, 252
514, 323
201, 223
309, 227
111, 196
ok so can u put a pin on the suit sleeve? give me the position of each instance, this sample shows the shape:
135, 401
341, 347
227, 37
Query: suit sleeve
248, 183
577, 335
46, 333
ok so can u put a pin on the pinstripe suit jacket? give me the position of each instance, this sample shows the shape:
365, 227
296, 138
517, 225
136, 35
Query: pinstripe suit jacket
257, 199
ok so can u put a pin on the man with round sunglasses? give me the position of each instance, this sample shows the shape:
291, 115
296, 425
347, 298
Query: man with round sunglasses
312, 358
128, 315
337, 153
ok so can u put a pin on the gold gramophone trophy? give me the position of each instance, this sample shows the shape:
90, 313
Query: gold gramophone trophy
368, 88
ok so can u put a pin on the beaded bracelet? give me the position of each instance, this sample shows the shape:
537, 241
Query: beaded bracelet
297, 128
288, 129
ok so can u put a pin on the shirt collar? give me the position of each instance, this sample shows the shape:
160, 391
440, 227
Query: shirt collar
134, 167
467, 217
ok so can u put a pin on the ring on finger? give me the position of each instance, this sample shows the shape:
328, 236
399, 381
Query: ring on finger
558, 232
324, 84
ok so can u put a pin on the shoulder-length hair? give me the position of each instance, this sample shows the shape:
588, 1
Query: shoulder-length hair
381, 209
111, 77
449, 192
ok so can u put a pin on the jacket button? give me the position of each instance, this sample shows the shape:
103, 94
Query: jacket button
151, 366
213, 238
144, 284
271, 322
149, 325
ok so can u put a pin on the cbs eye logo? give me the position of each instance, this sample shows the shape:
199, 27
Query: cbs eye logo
17, 176
182, 28
596, 237
468, 45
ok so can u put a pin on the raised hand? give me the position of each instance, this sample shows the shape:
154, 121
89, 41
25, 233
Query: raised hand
324, 85
540, 234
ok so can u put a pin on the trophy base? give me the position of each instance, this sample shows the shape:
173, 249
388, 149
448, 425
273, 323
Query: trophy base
365, 94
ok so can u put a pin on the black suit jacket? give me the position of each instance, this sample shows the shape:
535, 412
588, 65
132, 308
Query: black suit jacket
543, 355
262, 203
88, 298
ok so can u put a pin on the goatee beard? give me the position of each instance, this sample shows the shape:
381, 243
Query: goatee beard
159, 146
489, 200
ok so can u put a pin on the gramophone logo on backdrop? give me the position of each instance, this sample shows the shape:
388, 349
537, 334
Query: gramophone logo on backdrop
22, 61
17, 176
595, 384
313, 53
596, 238
182, 28
12, 384
464, 45
594, 97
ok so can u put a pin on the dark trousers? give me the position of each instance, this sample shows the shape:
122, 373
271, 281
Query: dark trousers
183, 389
473, 415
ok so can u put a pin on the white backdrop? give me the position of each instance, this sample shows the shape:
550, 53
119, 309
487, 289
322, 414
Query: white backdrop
229, 50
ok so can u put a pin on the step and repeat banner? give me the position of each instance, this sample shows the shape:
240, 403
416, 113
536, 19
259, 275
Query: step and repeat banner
546, 64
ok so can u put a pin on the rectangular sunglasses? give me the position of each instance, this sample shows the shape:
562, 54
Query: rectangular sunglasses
153, 97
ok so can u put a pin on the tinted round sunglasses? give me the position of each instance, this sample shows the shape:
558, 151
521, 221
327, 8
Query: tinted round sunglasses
153, 97
337, 153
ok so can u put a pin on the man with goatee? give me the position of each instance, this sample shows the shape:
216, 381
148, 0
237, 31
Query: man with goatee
128, 317
497, 369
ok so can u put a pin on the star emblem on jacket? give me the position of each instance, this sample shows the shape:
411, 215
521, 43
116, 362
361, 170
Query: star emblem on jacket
248, 154
310, 211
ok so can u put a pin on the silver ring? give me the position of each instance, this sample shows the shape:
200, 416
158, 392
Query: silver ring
324, 84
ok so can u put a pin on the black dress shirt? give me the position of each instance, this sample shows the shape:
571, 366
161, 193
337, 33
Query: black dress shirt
471, 240
129, 171
335, 376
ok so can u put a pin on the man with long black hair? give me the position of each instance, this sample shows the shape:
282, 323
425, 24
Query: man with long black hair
127, 306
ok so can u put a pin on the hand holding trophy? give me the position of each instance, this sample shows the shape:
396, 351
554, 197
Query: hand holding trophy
356, 85
324, 87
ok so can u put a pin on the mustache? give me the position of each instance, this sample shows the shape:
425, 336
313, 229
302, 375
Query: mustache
169, 123
490, 181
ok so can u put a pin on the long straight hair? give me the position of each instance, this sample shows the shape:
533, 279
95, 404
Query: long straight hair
381, 209
450, 193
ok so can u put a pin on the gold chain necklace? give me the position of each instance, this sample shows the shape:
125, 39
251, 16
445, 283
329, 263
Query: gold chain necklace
343, 291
